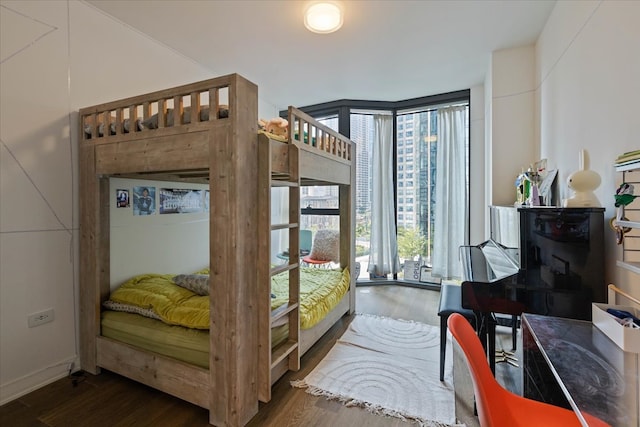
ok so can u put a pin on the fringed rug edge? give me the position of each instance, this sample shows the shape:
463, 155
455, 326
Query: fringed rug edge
370, 407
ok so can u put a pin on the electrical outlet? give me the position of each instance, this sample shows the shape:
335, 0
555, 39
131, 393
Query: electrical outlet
40, 318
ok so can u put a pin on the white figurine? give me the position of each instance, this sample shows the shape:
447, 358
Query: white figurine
583, 182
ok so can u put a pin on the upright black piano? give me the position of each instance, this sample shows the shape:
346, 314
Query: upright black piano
560, 256
558, 270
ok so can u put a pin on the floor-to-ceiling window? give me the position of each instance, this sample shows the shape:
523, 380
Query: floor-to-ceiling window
416, 148
415, 152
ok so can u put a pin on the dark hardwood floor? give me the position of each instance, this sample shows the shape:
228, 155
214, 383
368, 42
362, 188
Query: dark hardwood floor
111, 400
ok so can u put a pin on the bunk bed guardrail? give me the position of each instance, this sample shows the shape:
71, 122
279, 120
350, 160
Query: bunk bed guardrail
170, 111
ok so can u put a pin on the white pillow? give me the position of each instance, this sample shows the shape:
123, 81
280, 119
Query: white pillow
196, 283
326, 246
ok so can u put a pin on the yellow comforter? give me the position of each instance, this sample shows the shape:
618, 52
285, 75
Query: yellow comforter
320, 292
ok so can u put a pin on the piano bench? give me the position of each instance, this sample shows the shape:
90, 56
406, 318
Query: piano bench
450, 302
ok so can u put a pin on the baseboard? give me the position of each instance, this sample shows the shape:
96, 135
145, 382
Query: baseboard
19, 387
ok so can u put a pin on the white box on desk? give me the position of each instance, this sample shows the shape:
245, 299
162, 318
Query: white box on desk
628, 339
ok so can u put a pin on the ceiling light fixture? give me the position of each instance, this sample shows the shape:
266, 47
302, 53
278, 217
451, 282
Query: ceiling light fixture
323, 17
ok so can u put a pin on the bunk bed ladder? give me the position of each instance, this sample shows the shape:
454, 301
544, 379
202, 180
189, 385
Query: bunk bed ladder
286, 355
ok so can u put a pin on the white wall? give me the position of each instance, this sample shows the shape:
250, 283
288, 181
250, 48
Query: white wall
56, 57
512, 98
588, 84
157, 243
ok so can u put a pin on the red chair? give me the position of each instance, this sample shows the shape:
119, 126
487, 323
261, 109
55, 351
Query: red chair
325, 248
497, 406
315, 262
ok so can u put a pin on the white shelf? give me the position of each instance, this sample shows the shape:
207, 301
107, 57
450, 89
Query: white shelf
632, 266
628, 166
628, 224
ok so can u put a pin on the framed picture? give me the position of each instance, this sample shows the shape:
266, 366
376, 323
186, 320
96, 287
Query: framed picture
180, 200
144, 200
546, 187
122, 198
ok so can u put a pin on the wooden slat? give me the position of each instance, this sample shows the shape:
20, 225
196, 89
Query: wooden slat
279, 154
308, 337
103, 247
95, 248
632, 211
184, 90
178, 111
106, 119
283, 350
281, 269
284, 226
632, 242
347, 195
278, 370
154, 154
263, 242
175, 132
195, 107
282, 311
162, 113
133, 118
188, 382
632, 257
282, 183
89, 234
146, 110
294, 258
214, 102
320, 167
118, 122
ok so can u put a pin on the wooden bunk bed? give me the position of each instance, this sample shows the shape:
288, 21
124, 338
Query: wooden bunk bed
218, 144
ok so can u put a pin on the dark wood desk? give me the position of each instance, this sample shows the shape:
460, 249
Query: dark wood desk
571, 363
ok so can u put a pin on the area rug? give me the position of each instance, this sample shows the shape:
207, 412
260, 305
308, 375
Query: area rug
390, 367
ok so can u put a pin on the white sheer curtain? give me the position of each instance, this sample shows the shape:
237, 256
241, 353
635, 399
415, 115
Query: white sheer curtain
450, 222
383, 258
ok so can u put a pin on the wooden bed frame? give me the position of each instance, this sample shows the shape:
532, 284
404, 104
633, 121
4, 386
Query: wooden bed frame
240, 166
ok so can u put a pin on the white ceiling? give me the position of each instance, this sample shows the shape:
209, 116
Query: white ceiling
386, 50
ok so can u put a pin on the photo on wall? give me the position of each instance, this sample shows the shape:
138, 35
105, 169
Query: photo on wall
144, 200
180, 200
122, 198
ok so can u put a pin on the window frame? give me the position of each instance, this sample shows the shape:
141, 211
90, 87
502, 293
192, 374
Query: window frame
343, 108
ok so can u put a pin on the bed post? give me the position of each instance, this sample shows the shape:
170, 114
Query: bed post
94, 247
348, 229
233, 177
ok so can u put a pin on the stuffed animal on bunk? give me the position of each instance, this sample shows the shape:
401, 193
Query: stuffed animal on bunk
276, 128
624, 196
